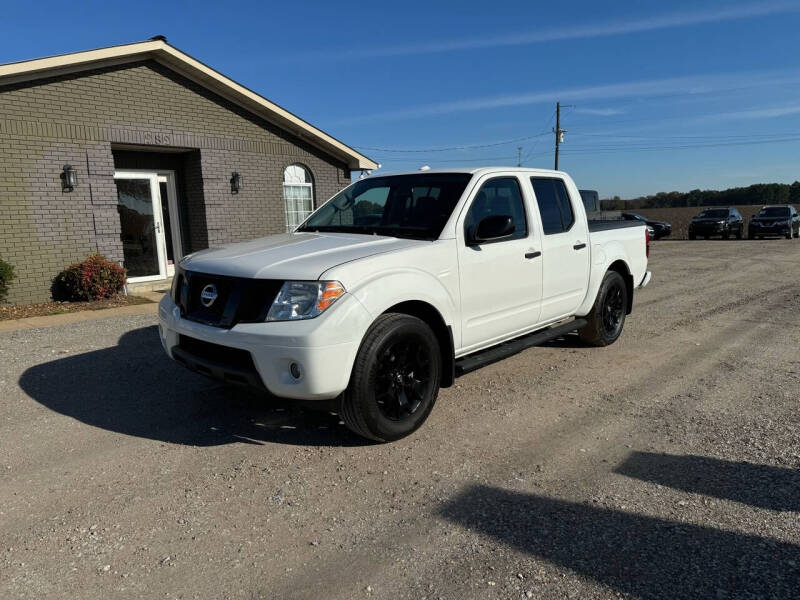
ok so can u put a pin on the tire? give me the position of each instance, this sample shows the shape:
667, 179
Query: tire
692, 236
707, 237
607, 317
395, 379
739, 234
789, 235
726, 235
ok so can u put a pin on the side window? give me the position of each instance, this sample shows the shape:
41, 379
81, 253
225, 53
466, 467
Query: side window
500, 196
554, 205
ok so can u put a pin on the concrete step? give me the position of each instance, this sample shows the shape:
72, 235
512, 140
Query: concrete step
160, 286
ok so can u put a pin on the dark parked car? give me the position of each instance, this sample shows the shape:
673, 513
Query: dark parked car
723, 222
660, 228
780, 221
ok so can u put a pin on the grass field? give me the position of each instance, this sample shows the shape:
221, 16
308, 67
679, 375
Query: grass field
680, 217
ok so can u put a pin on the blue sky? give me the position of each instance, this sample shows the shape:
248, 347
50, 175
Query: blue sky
659, 96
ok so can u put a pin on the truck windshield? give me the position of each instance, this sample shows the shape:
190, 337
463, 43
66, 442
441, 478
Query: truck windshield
714, 214
415, 206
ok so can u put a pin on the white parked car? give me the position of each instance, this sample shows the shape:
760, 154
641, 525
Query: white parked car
401, 282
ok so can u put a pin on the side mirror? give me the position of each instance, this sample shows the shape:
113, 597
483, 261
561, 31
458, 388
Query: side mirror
492, 229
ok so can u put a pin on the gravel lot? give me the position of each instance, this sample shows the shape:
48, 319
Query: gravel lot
664, 466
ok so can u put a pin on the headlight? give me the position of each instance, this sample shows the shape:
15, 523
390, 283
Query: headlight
304, 299
176, 281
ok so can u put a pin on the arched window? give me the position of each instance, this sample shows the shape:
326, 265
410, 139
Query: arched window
298, 194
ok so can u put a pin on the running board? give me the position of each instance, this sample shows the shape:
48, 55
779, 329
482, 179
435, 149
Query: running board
480, 359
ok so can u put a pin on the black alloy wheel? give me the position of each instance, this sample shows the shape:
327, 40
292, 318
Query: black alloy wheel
607, 317
403, 376
614, 308
395, 379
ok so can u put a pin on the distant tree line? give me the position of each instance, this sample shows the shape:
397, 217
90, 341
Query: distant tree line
759, 193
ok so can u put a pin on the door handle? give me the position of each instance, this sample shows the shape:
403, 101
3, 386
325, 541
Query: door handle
532, 254
579, 246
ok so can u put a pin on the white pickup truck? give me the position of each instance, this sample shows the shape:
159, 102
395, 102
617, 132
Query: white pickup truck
398, 284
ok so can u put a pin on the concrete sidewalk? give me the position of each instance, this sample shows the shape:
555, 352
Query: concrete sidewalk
83, 315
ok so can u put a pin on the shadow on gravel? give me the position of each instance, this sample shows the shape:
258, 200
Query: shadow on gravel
763, 486
134, 389
645, 557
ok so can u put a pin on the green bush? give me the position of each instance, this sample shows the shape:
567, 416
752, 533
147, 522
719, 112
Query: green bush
6, 275
92, 279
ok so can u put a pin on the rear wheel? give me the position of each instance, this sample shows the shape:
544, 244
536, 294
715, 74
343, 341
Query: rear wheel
607, 317
395, 379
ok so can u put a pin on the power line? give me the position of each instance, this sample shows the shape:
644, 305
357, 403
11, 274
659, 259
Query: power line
451, 148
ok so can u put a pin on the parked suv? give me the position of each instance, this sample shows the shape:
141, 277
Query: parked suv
781, 220
660, 228
723, 222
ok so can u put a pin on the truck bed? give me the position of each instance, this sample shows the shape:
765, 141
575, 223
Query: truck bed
606, 224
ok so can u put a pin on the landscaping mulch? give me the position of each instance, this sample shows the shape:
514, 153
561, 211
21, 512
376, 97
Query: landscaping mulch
42, 309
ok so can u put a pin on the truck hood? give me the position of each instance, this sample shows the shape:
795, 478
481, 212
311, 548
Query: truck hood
300, 256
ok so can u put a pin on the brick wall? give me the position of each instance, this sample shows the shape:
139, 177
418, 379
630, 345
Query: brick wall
86, 119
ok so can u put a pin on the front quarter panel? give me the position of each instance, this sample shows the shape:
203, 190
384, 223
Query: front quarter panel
426, 273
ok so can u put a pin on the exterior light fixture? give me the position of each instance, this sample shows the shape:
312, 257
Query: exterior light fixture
236, 182
69, 178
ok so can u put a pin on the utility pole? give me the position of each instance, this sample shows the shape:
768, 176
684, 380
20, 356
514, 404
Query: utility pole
519, 156
558, 131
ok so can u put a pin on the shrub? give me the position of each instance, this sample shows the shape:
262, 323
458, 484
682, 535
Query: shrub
92, 279
6, 275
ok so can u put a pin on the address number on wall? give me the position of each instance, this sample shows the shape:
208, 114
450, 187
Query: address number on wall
157, 138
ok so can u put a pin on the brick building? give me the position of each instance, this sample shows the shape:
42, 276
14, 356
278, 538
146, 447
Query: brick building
145, 154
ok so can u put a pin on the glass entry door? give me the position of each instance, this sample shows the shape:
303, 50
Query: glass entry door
141, 225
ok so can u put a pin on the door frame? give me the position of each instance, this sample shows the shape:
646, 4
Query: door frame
155, 193
174, 220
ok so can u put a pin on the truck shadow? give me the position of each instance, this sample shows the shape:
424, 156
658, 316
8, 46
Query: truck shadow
644, 557
762, 486
134, 389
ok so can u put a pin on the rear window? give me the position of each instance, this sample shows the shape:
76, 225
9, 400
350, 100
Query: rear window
554, 205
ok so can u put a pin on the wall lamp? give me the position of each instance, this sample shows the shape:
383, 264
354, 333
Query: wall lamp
236, 182
69, 178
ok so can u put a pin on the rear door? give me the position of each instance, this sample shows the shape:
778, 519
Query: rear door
500, 281
565, 248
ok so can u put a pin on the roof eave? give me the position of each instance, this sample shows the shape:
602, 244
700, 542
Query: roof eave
199, 72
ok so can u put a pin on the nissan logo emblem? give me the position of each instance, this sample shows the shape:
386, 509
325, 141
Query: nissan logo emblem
209, 295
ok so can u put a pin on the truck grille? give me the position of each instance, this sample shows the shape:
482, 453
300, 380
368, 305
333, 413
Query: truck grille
223, 301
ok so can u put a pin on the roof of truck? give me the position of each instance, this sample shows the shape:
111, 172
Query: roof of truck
473, 171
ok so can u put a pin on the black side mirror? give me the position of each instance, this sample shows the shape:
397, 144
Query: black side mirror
492, 229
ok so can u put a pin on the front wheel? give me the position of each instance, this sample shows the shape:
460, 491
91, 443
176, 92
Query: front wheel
739, 233
607, 317
395, 379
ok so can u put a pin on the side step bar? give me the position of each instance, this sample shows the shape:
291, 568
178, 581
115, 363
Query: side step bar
480, 359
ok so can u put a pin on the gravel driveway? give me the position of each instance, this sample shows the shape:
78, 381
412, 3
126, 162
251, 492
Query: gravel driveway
664, 466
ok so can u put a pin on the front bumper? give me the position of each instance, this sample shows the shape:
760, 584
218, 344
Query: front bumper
765, 230
323, 348
708, 229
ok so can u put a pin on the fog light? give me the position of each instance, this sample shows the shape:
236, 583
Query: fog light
294, 369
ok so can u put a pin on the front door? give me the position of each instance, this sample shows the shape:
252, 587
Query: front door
141, 225
501, 280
